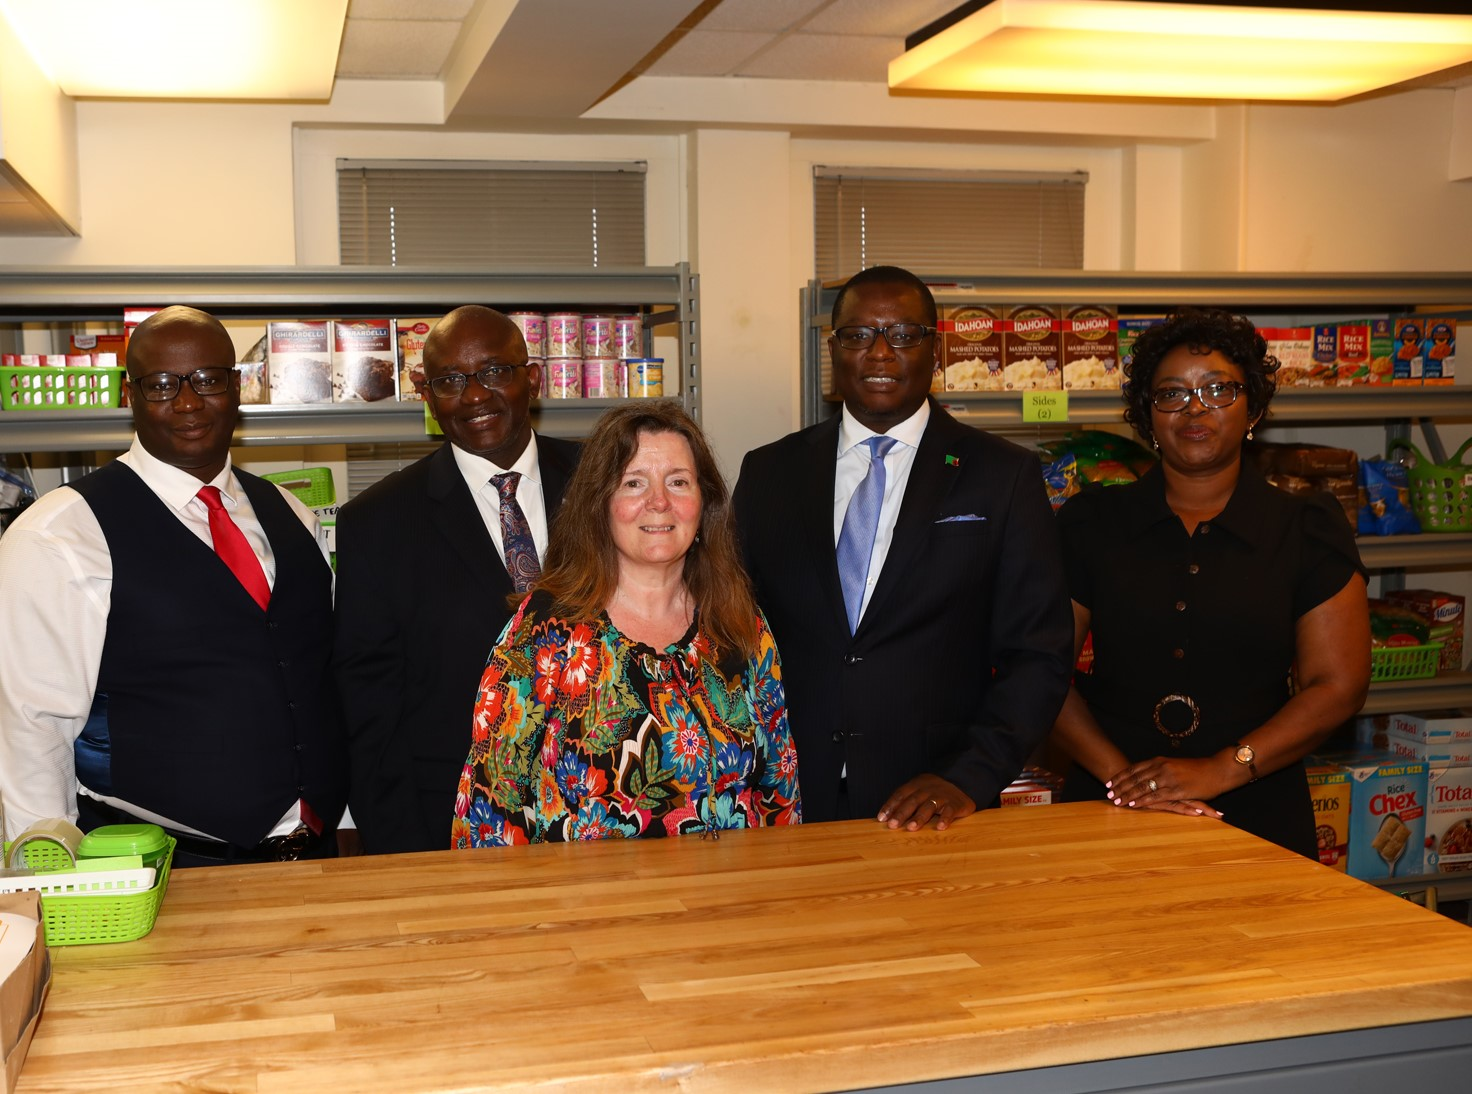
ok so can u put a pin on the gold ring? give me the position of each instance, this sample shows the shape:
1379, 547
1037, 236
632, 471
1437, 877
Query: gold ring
935, 803
1153, 785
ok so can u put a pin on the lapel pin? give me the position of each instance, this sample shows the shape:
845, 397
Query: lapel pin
953, 461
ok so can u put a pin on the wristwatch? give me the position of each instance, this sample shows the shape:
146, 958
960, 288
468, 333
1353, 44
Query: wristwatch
1248, 758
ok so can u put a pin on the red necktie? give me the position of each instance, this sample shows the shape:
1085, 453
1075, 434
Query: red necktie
233, 549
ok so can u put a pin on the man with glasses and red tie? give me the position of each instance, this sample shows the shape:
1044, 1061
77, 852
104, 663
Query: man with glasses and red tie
167, 626
910, 570
429, 561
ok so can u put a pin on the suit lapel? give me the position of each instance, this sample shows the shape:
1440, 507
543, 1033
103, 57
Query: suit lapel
456, 516
815, 497
931, 478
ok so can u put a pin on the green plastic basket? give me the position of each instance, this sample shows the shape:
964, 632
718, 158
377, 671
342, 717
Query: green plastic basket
1441, 493
312, 486
24, 387
1404, 662
86, 920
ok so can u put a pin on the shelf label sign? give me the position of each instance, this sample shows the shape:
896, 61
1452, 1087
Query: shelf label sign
1045, 406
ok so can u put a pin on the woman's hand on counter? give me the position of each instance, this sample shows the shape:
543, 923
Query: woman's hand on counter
1173, 785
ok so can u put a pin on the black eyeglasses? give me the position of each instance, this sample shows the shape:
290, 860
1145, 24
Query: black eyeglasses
898, 335
491, 377
1171, 400
164, 387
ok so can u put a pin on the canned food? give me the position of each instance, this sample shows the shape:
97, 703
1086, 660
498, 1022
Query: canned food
565, 334
533, 326
600, 378
564, 378
645, 377
628, 336
597, 336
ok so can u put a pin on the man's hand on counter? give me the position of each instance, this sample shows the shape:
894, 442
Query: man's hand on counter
923, 799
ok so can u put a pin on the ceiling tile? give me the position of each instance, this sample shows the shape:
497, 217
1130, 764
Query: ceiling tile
897, 18
415, 11
373, 48
708, 53
826, 57
772, 16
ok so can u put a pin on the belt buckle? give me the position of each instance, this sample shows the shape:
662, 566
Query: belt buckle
290, 847
1177, 736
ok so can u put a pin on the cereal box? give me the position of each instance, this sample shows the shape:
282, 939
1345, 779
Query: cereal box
1439, 352
364, 361
1294, 349
1448, 819
971, 347
1090, 348
1408, 358
411, 335
1387, 814
299, 360
1130, 329
1031, 349
1438, 737
1382, 352
1445, 612
1034, 786
1328, 786
1352, 353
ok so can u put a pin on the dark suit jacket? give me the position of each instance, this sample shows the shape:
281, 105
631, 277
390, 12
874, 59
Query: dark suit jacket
963, 656
421, 600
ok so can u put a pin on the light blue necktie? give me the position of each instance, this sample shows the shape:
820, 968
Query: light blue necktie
860, 525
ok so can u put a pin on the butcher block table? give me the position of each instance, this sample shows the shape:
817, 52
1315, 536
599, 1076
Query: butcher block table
1074, 947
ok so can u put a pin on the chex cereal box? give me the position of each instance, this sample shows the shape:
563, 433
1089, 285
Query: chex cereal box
1328, 785
1387, 813
1448, 818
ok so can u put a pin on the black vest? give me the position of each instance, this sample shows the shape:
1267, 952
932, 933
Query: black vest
218, 715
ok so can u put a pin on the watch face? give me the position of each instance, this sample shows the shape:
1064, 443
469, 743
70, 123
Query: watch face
1245, 755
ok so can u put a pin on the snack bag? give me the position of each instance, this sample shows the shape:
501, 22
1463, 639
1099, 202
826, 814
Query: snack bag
1385, 508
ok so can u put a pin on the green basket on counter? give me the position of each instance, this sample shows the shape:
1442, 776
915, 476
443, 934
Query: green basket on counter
93, 918
1441, 493
1404, 662
312, 486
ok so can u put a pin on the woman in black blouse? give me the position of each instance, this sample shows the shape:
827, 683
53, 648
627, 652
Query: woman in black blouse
1204, 587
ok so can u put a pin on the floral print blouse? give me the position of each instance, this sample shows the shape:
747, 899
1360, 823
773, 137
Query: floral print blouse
580, 733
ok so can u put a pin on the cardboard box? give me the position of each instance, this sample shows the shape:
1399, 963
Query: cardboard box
1445, 612
1408, 358
1387, 815
1090, 348
99, 343
299, 360
1294, 349
23, 991
1382, 352
971, 347
1130, 329
1325, 355
1439, 352
1448, 819
1032, 349
1328, 786
1434, 727
364, 360
411, 335
1034, 786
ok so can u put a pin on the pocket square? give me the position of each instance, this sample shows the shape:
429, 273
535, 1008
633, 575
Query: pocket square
959, 517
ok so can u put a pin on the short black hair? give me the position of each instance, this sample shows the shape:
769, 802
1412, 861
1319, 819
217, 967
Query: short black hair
888, 275
1204, 330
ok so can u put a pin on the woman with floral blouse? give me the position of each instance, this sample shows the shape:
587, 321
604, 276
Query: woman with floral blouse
637, 690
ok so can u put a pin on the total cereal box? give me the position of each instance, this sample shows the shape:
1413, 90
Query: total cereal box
1090, 348
1387, 813
971, 347
1437, 737
1031, 349
1328, 786
364, 360
1448, 819
299, 360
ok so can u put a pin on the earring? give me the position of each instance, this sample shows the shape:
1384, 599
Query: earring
1155, 444
1249, 433
697, 537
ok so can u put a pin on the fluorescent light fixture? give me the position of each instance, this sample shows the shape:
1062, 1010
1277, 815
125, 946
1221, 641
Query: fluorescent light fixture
1132, 48
183, 49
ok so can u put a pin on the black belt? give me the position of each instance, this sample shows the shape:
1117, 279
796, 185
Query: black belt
300, 843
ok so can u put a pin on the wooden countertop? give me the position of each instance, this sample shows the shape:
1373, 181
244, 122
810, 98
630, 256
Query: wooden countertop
828, 956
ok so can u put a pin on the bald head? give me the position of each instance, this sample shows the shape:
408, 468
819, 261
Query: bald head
176, 323
472, 321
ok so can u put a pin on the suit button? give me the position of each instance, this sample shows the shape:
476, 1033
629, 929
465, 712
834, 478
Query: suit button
851, 659
1180, 605
838, 736
1178, 654
1193, 569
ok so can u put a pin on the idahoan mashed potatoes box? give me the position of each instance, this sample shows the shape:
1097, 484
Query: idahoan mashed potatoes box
971, 347
1090, 348
1031, 349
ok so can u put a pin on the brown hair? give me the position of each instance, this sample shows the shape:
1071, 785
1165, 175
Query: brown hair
581, 568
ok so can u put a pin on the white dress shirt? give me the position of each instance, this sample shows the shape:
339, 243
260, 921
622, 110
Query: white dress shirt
853, 465
55, 594
478, 470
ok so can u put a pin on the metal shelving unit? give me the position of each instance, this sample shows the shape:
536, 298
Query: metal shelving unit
669, 295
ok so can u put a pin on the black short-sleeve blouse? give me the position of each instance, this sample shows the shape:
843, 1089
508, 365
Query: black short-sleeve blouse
1210, 615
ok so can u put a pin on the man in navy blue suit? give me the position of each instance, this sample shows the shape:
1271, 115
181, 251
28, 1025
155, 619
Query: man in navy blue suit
912, 576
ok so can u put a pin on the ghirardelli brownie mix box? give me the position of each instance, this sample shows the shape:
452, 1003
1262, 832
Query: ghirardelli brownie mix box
971, 347
299, 360
1090, 348
363, 360
1031, 350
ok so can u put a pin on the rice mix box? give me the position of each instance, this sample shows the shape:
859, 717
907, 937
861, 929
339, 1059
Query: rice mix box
1031, 349
971, 347
1448, 819
1090, 348
1328, 786
1130, 329
1294, 349
364, 360
1387, 813
1352, 354
299, 360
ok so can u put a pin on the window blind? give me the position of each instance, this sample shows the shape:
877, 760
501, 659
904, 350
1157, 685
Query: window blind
518, 216
947, 224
